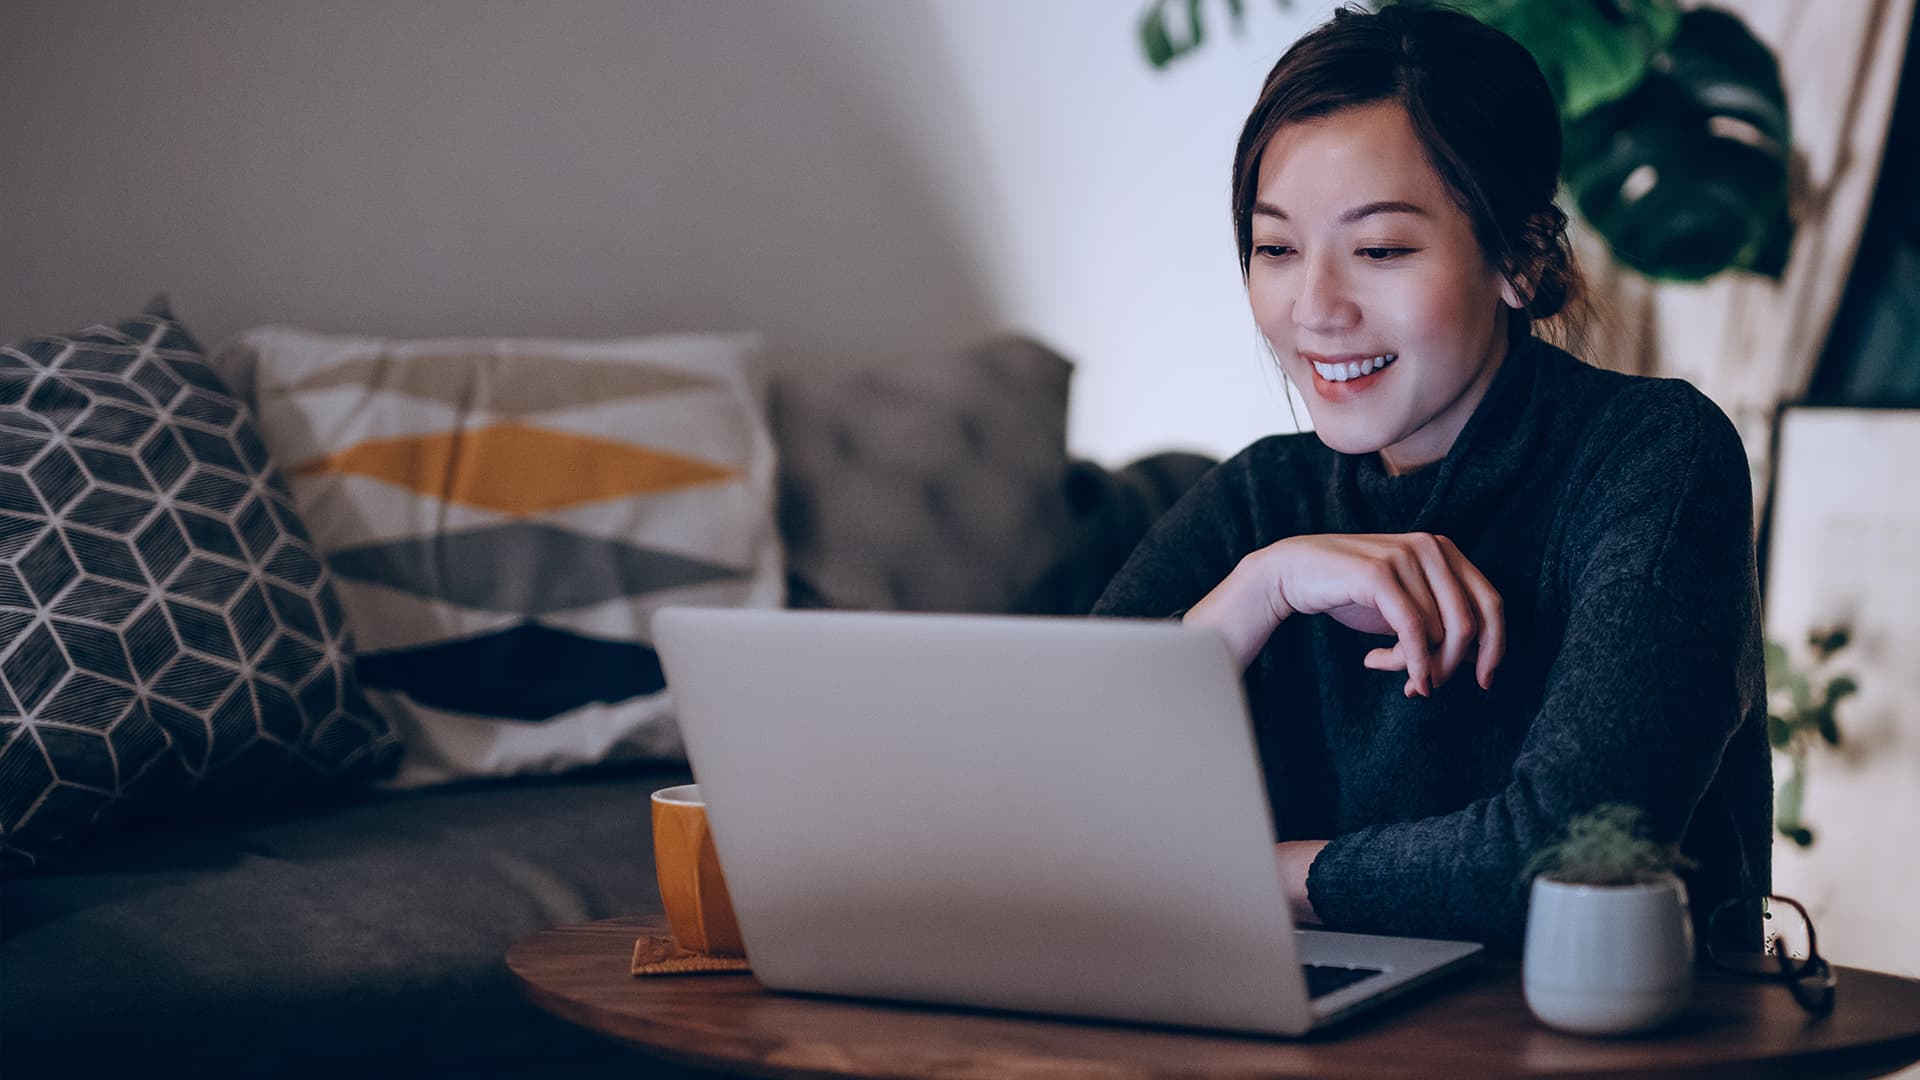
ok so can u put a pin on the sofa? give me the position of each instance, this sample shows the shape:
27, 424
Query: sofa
360, 931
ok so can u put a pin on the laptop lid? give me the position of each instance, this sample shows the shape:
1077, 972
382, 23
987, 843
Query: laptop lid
1037, 814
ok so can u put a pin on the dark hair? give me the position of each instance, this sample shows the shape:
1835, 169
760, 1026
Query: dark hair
1481, 109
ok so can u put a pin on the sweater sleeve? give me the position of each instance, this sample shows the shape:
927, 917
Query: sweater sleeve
1658, 666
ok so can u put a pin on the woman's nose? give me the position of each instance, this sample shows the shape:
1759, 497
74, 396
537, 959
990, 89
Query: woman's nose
1324, 304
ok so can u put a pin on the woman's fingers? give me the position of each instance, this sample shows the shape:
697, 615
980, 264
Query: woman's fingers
1492, 615
1383, 660
1416, 586
1405, 617
1413, 581
1450, 594
1458, 609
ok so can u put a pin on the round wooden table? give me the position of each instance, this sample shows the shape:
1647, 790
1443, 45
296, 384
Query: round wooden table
1473, 1023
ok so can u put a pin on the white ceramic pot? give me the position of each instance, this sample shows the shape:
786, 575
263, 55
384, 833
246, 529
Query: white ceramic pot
1608, 959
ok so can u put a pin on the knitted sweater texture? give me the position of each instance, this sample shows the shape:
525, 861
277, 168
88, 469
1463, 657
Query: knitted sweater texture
1614, 515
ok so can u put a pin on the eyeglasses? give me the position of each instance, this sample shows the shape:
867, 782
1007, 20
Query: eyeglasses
1771, 937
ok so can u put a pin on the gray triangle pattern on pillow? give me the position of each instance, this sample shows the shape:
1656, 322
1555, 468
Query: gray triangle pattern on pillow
167, 630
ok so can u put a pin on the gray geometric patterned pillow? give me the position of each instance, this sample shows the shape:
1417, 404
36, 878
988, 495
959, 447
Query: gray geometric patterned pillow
167, 632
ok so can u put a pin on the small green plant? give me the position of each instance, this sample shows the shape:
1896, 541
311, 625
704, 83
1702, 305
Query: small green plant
1607, 845
1800, 717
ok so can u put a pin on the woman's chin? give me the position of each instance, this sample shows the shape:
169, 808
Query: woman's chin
1346, 439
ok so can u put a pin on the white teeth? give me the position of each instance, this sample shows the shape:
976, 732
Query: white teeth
1355, 369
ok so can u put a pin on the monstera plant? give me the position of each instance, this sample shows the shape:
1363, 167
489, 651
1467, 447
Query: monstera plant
1677, 144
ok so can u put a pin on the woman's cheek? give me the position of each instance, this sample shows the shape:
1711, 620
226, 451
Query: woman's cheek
1411, 304
1457, 308
1272, 315
1269, 304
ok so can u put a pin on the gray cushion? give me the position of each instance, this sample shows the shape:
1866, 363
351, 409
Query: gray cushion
931, 485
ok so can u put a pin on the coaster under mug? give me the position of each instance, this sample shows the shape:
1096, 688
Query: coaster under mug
656, 954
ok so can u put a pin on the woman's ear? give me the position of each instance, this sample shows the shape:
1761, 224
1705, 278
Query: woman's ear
1510, 294
1516, 286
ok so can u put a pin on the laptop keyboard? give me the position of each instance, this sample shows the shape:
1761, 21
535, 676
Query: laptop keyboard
1324, 979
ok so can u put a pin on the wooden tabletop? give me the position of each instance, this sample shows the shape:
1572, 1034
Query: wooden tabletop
1470, 1024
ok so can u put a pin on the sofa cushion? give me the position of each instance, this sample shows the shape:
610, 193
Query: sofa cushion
364, 937
504, 516
933, 484
1111, 511
167, 630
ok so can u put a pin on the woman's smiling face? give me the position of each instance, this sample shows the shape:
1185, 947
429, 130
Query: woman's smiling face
1367, 280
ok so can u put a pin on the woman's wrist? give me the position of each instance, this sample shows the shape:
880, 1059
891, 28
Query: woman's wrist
1296, 863
1245, 608
1263, 566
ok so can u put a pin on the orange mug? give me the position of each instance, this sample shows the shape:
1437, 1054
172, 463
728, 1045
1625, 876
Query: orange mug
691, 889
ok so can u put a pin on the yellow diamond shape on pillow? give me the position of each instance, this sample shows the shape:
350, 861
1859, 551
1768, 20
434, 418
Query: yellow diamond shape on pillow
517, 469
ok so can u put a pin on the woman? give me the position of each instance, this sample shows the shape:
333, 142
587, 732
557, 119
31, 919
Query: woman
1495, 587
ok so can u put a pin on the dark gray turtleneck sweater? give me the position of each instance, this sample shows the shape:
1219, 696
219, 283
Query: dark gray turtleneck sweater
1614, 515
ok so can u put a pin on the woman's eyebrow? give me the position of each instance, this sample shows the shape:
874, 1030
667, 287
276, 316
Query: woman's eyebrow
1389, 206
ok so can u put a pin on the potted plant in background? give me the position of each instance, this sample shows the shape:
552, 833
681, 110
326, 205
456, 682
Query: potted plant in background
1609, 944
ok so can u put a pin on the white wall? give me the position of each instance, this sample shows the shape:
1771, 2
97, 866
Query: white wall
1112, 182
859, 179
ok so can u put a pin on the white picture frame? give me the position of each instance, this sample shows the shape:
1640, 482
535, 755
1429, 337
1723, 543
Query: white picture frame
1845, 549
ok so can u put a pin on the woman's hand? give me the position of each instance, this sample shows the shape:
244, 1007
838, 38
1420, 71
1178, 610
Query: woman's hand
1295, 858
1415, 586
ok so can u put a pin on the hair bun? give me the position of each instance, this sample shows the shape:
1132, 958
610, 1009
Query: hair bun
1543, 260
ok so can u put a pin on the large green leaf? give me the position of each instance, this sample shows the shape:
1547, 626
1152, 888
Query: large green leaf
1687, 175
1591, 51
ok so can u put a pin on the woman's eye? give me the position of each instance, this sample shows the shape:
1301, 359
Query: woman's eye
1272, 251
1382, 254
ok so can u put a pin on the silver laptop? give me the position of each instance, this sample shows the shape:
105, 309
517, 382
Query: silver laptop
1061, 816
